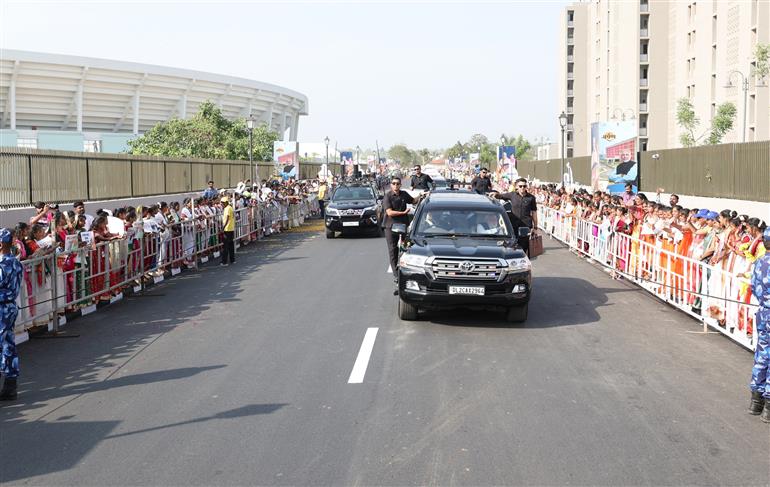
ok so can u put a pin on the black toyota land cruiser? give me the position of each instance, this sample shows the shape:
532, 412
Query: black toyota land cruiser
353, 207
461, 250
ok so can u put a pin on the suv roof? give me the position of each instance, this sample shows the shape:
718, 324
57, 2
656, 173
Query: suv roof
465, 199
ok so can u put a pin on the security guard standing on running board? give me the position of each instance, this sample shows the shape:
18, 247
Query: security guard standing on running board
523, 210
10, 284
394, 205
760, 378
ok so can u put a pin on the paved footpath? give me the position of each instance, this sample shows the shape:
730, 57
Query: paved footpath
239, 376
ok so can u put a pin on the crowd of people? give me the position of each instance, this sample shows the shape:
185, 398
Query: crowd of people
98, 254
667, 240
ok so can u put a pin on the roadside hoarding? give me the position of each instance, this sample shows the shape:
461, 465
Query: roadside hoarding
286, 157
346, 161
613, 156
506, 163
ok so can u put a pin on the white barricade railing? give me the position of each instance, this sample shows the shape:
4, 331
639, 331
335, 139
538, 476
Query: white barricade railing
720, 299
55, 283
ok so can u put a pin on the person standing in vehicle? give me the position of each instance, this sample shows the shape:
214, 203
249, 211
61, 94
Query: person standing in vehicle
760, 376
523, 210
482, 184
11, 273
394, 205
421, 181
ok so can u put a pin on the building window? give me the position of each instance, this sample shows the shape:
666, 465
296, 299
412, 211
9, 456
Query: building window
27, 143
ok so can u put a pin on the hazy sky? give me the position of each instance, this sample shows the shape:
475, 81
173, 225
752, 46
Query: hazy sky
423, 73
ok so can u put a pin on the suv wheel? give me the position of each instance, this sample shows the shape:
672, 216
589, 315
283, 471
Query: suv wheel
406, 311
329, 233
517, 314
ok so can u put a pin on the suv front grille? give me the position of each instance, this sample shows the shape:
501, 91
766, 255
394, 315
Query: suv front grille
471, 269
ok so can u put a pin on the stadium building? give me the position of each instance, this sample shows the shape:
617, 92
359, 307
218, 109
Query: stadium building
54, 101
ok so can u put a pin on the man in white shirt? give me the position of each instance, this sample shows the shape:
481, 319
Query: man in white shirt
80, 210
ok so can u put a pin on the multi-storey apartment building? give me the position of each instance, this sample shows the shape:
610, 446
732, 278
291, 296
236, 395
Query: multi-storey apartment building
634, 59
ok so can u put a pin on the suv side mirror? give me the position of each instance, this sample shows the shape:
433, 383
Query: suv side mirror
524, 231
398, 228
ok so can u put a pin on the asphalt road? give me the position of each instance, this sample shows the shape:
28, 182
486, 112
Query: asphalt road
239, 376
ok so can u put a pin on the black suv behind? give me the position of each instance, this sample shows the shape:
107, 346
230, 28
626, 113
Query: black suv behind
461, 250
353, 207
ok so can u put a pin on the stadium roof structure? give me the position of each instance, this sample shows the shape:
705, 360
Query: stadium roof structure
70, 93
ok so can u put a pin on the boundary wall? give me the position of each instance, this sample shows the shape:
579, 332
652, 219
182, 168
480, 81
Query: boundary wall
29, 175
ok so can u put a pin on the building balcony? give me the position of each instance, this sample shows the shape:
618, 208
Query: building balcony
643, 82
643, 107
570, 58
569, 127
569, 109
570, 23
644, 8
570, 41
644, 32
570, 75
642, 131
570, 143
644, 58
570, 92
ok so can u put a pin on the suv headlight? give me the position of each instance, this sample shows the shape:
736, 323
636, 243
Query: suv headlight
409, 260
516, 265
370, 208
332, 211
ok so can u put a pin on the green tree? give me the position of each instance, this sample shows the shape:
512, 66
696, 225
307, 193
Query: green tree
207, 135
762, 60
686, 118
722, 122
403, 154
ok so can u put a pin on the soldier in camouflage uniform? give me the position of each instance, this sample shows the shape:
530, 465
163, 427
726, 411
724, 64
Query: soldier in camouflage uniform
760, 379
10, 284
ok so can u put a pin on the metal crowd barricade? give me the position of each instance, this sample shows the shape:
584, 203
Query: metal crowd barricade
56, 283
706, 292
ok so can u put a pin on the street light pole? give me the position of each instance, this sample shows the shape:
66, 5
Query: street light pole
326, 141
358, 162
563, 124
250, 124
745, 88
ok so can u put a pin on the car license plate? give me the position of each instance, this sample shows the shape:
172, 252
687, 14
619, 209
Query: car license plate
349, 224
475, 290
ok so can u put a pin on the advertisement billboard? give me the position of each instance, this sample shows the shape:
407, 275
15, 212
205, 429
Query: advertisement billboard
346, 161
286, 158
613, 156
506, 163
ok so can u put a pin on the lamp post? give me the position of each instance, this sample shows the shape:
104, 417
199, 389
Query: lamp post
745, 88
358, 162
563, 125
326, 141
623, 114
251, 122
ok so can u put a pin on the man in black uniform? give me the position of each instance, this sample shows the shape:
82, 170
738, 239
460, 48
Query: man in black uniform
482, 184
523, 210
394, 204
420, 180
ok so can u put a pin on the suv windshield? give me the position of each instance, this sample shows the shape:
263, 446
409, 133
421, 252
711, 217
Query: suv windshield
348, 193
463, 222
